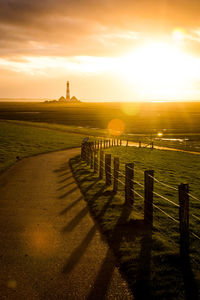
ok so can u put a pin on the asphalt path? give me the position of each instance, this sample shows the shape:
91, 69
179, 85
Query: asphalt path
50, 246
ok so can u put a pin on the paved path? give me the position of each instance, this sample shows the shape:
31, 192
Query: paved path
50, 247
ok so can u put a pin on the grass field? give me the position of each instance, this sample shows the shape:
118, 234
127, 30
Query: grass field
151, 263
179, 122
25, 140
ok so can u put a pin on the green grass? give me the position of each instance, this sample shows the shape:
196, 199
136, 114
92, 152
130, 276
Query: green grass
151, 264
24, 140
142, 121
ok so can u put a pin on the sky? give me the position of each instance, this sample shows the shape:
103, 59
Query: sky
109, 50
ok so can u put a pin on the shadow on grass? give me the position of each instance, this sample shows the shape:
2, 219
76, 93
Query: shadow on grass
190, 286
133, 245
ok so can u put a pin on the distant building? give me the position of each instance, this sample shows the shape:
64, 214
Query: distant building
62, 99
68, 99
74, 99
67, 92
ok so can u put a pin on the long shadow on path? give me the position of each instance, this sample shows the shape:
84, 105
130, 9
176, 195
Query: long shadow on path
65, 210
79, 251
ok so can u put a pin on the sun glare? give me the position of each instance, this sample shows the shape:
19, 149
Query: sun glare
160, 70
178, 34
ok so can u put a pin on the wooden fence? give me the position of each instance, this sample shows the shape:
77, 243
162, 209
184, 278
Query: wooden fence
93, 154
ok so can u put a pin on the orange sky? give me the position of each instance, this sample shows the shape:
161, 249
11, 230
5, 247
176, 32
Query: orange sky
108, 49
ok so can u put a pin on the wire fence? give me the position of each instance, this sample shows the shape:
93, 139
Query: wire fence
140, 195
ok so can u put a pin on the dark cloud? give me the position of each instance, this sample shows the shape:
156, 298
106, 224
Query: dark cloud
82, 27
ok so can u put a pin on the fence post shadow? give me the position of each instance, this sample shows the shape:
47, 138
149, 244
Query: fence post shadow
190, 285
142, 286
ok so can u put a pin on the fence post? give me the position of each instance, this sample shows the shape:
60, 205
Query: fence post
91, 158
88, 153
104, 144
183, 190
95, 161
101, 164
120, 142
108, 169
82, 151
116, 174
109, 143
139, 144
127, 143
117, 142
148, 197
129, 176
152, 145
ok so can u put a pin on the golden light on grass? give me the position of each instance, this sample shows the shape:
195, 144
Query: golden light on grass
41, 240
116, 127
130, 109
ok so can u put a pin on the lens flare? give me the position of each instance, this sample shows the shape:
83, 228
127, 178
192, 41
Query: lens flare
41, 240
116, 127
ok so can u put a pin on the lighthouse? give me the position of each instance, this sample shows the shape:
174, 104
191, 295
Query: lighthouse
67, 92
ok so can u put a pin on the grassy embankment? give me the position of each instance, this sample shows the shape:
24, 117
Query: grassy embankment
23, 140
151, 263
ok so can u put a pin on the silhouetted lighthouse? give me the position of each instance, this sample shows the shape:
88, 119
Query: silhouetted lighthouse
67, 92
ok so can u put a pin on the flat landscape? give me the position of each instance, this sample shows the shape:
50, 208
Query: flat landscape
179, 123
28, 129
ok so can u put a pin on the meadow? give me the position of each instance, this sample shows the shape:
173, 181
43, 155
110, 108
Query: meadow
23, 140
178, 122
151, 263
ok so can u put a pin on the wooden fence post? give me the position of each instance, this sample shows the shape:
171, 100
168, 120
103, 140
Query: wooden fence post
148, 197
183, 190
108, 169
109, 143
116, 174
129, 176
96, 161
91, 158
114, 142
88, 153
120, 142
139, 144
127, 143
117, 142
101, 164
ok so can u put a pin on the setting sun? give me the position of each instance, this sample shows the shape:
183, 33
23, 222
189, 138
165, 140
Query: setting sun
161, 71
